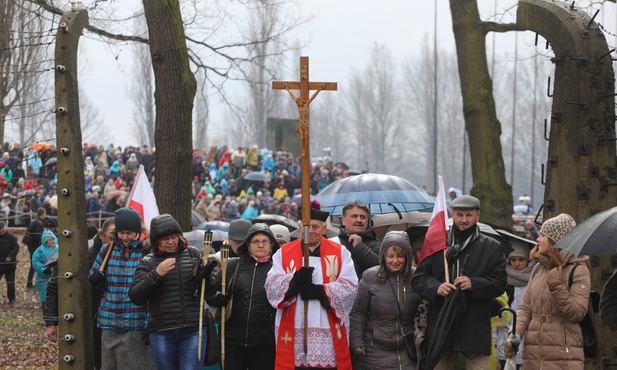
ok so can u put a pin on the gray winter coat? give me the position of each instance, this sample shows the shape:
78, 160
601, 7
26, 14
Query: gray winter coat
375, 322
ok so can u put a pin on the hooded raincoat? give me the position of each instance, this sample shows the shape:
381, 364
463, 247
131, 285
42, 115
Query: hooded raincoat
39, 258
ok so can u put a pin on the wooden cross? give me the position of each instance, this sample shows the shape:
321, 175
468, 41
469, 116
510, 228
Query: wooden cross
303, 101
286, 338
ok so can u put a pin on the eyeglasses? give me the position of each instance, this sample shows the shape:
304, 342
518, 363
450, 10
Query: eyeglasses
258, 242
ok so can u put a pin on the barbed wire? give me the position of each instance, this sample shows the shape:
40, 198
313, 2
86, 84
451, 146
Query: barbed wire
27, 38
34, 102
33, 63
605, 30
50, 31
32, 71
29, 115
28, 45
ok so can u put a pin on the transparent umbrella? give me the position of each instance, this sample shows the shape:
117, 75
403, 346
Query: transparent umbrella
382, 194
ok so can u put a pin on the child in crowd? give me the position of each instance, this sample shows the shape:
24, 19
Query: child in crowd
49, 246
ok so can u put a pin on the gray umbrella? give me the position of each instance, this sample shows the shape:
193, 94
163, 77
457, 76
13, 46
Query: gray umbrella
381, 193
256, 176
595, 235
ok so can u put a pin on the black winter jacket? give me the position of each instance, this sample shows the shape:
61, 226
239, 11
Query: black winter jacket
486, 268
252, 317
9, 248
364, 255
170, 300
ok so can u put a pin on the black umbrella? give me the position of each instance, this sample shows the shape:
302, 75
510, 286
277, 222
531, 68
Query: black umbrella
448, 320
256, 176
595, 235
213, 225
513, 339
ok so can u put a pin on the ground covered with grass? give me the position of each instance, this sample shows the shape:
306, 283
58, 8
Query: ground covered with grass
23, 344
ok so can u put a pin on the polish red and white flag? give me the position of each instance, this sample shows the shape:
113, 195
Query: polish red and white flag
142, 198
436, 238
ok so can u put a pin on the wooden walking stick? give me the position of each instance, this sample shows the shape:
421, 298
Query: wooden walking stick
303, 102
224, 260
206, 252
104, 263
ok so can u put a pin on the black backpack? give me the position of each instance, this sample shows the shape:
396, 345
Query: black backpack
587, 324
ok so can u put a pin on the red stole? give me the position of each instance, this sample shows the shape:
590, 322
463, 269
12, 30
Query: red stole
331, 265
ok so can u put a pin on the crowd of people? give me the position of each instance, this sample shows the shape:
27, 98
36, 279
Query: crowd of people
227, 183
359, 303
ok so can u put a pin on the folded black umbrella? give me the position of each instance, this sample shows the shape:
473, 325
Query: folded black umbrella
448, 321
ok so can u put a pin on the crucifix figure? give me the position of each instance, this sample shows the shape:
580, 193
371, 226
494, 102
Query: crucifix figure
303, 102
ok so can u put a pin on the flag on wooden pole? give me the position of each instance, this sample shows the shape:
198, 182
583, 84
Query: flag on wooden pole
436, 238
142, 198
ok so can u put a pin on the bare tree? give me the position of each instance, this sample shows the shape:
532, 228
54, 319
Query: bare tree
202, 112
481, 120
427, 111
26, 68
375, 111
175, 91
93, 128
264, 23
143, 90
328, 127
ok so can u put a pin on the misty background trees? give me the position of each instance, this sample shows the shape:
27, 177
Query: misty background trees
382, 119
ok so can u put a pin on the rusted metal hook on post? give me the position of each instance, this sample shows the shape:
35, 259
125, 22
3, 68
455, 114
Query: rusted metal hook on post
605, 186
598, 59
582, 104
592, 19
548, 88
546, 136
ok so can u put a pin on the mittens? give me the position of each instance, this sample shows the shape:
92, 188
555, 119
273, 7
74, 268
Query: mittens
312, 291
221, 299
96, 279
206, 271
303, 276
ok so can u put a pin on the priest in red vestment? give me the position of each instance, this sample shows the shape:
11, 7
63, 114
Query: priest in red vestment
329, 285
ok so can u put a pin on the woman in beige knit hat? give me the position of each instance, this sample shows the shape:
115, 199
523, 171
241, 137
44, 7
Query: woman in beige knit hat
549, 313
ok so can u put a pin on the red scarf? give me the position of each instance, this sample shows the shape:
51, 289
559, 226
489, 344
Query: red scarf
285, 360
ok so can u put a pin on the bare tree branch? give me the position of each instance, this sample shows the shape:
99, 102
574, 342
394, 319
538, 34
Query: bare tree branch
501, 27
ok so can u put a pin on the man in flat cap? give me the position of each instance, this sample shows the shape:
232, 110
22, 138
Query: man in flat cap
329, 285
236, 235
484, 277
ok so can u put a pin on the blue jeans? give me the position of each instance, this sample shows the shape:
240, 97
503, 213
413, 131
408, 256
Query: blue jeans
176, 349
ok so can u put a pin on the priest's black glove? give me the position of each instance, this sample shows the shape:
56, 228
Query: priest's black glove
312, 291
205, 272
301, 277
96, 279
221, 299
